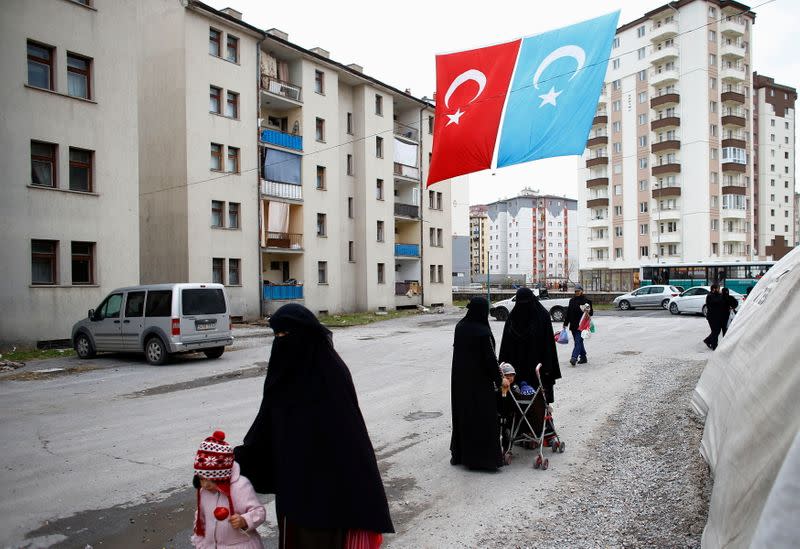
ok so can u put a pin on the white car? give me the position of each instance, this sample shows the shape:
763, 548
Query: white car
556, 307
693, 301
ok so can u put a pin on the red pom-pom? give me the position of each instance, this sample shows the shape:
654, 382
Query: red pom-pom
221, 513
219, 436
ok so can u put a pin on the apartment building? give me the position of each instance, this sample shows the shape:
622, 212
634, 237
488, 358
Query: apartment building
534, 235
346, 223
70, 211
479, 239
774, 184
198, 153
461, 232
666, 175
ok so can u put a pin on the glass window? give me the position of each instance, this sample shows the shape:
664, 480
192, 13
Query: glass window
379, 189
80, 170
320, 130
203, 301
319, 82
43, 164
233, 160
282, 167
379, 147
322, 272
381, 273
380, 231
214, 99
321, 178
234, 267
232, 105
350, 123
322, 229
82, 263
111, 307
78, 76
159, 303
217, 208
233, 49
216, 157
379, 105
40, 66
44, 262
233, 215
134, 304
217, 271
214, 41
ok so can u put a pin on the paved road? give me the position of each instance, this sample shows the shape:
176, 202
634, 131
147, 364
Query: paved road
103, 454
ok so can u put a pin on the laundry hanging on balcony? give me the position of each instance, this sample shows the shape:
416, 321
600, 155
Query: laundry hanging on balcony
405, 153
282, 167
278, 217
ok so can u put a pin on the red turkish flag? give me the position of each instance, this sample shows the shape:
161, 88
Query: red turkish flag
471, 88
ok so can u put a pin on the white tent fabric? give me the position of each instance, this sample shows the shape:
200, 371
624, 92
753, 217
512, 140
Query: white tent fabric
749, 394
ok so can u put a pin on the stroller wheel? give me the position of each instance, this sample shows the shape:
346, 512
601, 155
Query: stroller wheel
555, 446
561, 447
538, 462
545, 464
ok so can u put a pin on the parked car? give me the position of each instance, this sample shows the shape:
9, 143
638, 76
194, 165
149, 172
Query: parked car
556, 307
158, 320
693, 300
656, 295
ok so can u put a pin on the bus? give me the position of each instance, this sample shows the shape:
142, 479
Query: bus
736, 276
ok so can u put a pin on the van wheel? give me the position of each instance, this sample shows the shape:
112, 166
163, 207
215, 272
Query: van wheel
216, 352
502, 314
155, 351
83, 347
557, 314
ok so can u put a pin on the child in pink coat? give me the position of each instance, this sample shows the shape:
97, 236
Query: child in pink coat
228, 510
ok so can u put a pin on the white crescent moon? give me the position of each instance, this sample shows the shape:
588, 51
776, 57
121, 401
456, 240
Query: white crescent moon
564, 51
471, 74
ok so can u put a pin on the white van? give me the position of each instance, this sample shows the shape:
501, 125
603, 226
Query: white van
158, 320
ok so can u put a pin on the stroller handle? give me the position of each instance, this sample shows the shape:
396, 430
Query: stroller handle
538, 367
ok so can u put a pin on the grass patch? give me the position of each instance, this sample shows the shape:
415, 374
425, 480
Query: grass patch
460, 302
603, 307
30, 355
360, 319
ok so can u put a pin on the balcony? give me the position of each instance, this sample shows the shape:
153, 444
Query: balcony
406, 250
664, 100
666, 192
665, 122
661, 31
732, 97
598, 221
735, 119
597, 182
597, 141
733, 49
666, 145
735, 234
596, 202
598, 241
663, 169
284, 242
659, 54
733, 213
734, 142
282, 139
664, 214
282, 292
406, 210
279, 94
600, 119
406, 172
406, 132
734, 73
734, 167
597, 161
287, 191
734, 188
664, 75
733, 26
665, 237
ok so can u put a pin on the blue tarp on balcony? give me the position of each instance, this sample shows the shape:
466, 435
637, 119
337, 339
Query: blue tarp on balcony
283, 292
410, 250
286, 140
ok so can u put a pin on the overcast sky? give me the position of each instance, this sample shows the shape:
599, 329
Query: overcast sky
396, 43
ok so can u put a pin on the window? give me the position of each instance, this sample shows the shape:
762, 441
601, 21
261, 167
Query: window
712, 105
616, 42
134, 304
643, 207
617, 190
233, 160
379, 235
218, 270
79, 76
322, 272
643, 163
214, 100
321, 178
642, 53
232, 105
643, 75
110, 308
234, 272
712, 83
214, 41
617, 147
644, 251
233, 215
617, 210
712, 11
82, 263
44, 254
322, 225
440, 270
617, 168
379, 189
43, 164
350, 123
618, 253
640, 31
439, 239
712, 60
715, 224
618, 231
381, 273
616, 126
159, 303
643, 185
714, 153
712, 36
378, 104
350, 207
233, 49
379, 147
615, 63
772, 121
616, 84
319, 82
642, 119
642, 97
433, 273
432, 200
438, 201
432, 236
216, 157
80, 170
430, 125
350, 164
616, 106
320, 129
642, 140
351, 252
40, 66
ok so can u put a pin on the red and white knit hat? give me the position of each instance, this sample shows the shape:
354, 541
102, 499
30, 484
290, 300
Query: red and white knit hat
214, 460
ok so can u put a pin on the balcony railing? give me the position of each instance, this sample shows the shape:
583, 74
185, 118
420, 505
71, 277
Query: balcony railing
282, 139
406, 210
278, 292
283, 89
288, 241
282, 190
406, 131
406, 250
409, 172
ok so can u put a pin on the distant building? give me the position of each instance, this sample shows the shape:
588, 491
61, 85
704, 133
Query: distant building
459, 192
479, 239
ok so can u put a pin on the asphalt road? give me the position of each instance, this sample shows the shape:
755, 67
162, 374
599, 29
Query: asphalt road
101, 453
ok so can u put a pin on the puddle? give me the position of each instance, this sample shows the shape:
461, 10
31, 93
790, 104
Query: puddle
629, 353
259, 369
365, 338
417, 416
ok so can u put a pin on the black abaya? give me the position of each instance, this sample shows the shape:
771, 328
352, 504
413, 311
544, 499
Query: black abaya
528, 340
309, 444
475, 442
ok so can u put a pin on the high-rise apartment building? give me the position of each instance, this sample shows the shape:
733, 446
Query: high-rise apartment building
774, 184
70, 209
667, 173
535, 236
479, 239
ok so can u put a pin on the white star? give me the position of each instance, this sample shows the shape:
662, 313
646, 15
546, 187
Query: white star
549, 97
454, 118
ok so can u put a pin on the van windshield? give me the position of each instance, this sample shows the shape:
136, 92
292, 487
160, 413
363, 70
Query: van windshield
203, 301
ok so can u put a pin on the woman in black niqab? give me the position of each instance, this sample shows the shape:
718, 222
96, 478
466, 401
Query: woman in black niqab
309, 444
528, 340
475, 441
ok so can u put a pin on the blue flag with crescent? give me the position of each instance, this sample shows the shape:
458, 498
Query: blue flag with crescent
554, 91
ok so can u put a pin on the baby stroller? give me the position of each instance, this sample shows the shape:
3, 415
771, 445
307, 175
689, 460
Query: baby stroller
531, 410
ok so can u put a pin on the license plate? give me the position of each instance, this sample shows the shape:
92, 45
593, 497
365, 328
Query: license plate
204, 325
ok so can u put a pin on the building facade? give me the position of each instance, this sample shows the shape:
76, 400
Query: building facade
479, 240
535, 236
667, 173
70, 210
461, 232
774, 184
